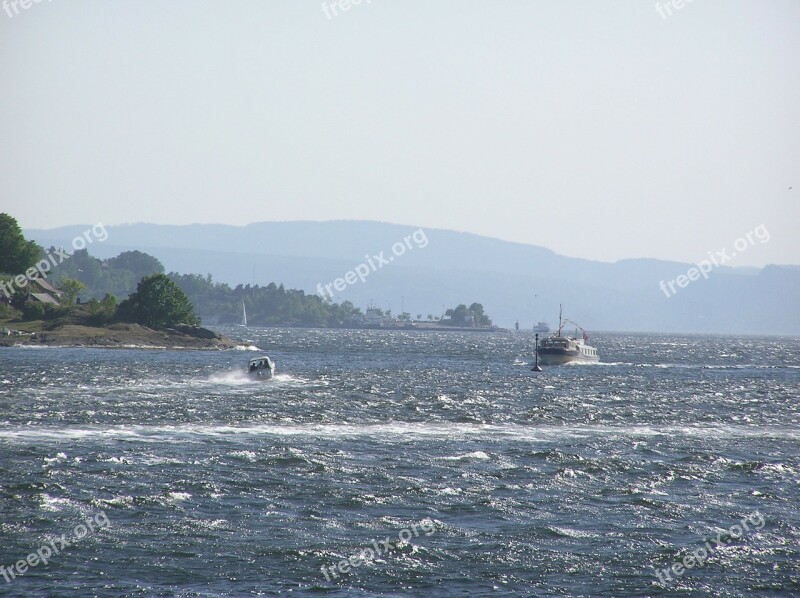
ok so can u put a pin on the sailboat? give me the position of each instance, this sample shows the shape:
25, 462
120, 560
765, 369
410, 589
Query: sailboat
244, 315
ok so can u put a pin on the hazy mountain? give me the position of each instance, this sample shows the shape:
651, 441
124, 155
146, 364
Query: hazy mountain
441, 268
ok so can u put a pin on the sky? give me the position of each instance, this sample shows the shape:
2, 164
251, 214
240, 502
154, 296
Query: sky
603, 130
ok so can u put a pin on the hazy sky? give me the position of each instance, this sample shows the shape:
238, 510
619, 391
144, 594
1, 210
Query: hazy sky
597, 129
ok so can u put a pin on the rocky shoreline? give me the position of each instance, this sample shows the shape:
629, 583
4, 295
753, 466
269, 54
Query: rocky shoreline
119, 335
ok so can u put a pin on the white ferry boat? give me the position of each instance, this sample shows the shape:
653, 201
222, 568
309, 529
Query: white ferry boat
541, 328
558, 349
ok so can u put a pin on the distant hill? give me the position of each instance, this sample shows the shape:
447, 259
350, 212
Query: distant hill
513, 281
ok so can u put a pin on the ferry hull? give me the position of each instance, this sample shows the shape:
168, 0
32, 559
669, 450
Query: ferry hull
560, 357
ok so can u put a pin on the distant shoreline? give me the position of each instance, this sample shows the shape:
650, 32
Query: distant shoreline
415, 328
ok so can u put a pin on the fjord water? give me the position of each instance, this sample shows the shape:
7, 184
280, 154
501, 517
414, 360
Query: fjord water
579, 481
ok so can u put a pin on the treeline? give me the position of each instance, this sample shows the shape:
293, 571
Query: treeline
474, 315
117, 276
132, 287
270, 305
216, 302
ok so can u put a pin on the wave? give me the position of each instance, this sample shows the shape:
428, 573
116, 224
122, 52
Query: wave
240, 377
475, 455
234, 378
692, 366
394, 431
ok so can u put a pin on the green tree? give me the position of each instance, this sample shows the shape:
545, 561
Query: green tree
459, 314
103, 311
157, 303
141, 264
481, 319
116, 275
94, 308
80, 266
33, 311
108, 305
70, 287
19, 297
16, 254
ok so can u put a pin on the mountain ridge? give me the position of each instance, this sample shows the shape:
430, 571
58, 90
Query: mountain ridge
514, 281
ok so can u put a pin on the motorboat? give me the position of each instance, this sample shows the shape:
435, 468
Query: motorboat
261, 368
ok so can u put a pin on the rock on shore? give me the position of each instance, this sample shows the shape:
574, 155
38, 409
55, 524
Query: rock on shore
120, 335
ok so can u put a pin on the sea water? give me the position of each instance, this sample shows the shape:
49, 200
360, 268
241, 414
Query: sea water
402, 464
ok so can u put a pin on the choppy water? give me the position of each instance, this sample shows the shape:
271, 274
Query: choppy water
579, 481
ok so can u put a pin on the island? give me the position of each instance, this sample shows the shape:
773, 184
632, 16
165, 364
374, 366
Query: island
119, 335
34, 312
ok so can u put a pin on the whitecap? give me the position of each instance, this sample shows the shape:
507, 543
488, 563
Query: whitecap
178, 496
391, 430
480, 455
59, 458
572, 533
245, 455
